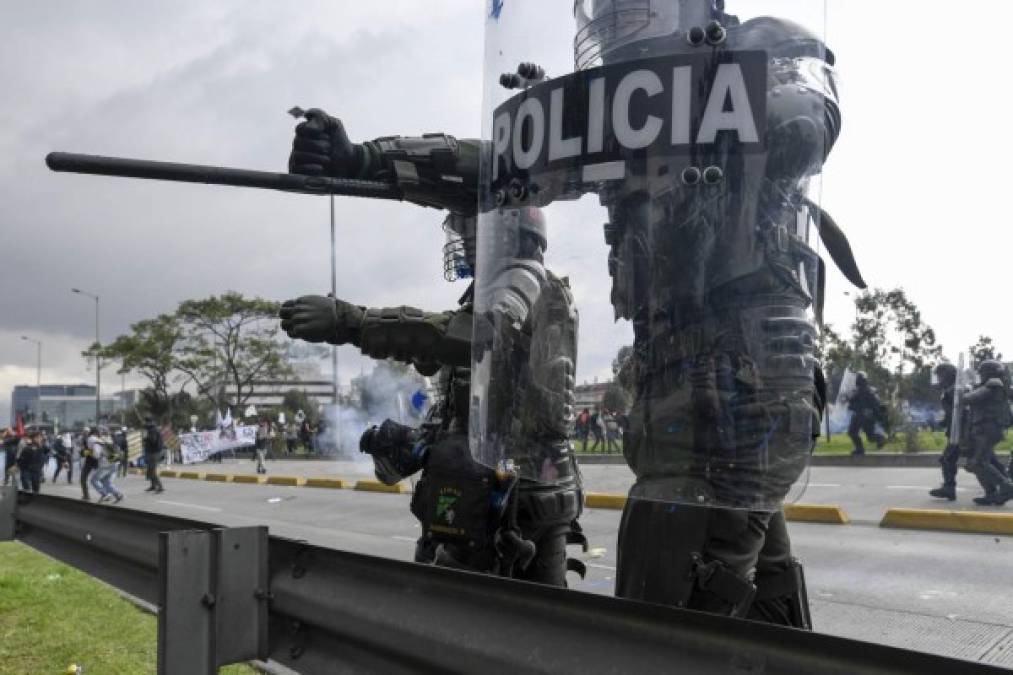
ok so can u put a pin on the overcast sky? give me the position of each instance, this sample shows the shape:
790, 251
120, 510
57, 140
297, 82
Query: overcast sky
918, 178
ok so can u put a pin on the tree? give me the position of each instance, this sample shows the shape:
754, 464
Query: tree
889, 331
229, 340
894, 345
616, 398
149, 350
296, 400
983, 350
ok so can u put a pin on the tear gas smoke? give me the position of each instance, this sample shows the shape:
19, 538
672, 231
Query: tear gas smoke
389, 391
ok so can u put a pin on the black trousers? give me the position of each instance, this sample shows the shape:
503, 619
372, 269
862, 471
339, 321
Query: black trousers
661, 543
30, 479
151, 471
87, 466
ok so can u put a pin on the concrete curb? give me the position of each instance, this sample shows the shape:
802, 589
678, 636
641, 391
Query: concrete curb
604, 500
249, 478
291, 481
191, 475
377, 486
816, 513
949, 521
869, 459
167, 473
332, 483
218, 477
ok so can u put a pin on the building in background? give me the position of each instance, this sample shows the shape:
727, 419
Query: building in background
268, 394
590, 396
66, 405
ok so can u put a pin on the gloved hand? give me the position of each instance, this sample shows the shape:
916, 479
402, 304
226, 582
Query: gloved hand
321, 147
316, 318
383, 440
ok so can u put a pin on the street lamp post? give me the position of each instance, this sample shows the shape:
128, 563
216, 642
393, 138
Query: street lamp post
98, 360
38, 378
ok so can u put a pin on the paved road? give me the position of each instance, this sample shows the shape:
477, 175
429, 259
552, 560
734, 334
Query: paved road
938, 592
864, 492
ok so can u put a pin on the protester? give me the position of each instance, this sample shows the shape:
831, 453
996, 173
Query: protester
582, 427
291, 437
88, 461
123, 452
154, 450
306, 435
260, 448
597, 427
30, 461
274, 441
10, 450
42, 440
104, 452
61, 453
611, 432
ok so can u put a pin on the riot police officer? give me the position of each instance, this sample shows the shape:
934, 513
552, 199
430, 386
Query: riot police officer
472, 518
946, 377
989, 415
713, 269
866, 410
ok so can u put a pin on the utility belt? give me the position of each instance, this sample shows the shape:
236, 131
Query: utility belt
488, 516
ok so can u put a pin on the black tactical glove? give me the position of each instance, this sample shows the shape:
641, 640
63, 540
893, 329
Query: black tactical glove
321, 147
386, 439
315, 318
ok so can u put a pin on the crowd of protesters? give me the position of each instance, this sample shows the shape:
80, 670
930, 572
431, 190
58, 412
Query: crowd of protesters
97, 455
607, 428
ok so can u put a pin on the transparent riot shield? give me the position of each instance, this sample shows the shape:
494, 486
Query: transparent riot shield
964, 380
654, 173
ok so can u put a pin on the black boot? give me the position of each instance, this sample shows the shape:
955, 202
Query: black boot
944, 492
1003, 494
988, 499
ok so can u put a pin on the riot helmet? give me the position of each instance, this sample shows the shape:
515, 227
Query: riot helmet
604, 26
944, 374
861, 379
990, 369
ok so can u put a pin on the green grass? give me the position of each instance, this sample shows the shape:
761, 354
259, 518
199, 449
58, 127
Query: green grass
925, 441
52, 616
840, 444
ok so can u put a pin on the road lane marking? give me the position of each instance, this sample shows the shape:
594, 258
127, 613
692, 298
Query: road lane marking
398, 537
188, 506
906, 487
823, 485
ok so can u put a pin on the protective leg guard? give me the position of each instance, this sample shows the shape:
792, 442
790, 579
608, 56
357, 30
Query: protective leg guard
549, 564
782, 598
663, 558
948, 462
547, 516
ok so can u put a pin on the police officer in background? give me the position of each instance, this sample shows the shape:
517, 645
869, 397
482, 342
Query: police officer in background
989, 415
946, 378
866, 410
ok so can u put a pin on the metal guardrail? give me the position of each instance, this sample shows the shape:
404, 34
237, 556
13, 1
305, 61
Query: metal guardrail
234, 594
